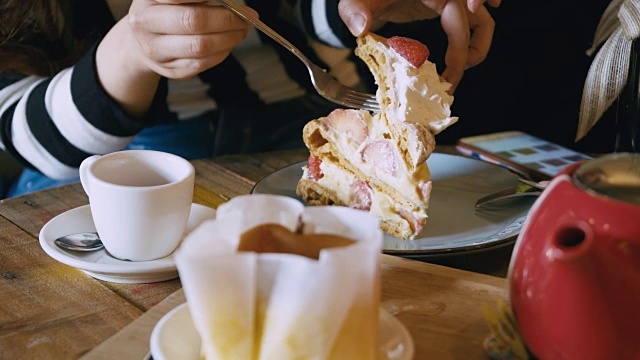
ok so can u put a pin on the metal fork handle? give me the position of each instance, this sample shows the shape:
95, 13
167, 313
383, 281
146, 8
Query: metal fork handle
240, 11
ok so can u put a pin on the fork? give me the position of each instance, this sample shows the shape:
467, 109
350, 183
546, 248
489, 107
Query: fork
330, 88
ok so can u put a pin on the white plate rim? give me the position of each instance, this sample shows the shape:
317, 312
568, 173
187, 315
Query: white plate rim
165, 265
501, 236
385, 319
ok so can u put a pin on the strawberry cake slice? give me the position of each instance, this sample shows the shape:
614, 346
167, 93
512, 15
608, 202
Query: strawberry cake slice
377, 162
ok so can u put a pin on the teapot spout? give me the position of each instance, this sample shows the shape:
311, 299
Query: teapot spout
571, 242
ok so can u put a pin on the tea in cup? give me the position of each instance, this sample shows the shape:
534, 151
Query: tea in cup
140, 201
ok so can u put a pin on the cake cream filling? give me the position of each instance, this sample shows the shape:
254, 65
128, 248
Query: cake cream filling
343, 183
417, 95
404, 181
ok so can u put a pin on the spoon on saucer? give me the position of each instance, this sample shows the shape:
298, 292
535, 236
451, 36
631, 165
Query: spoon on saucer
86, 241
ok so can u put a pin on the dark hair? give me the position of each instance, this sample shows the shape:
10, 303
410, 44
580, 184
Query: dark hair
36, 37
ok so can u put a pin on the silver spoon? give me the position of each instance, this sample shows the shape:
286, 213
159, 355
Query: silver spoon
86, 241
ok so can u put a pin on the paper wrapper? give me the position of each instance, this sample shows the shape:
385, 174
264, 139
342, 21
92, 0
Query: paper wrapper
282, 306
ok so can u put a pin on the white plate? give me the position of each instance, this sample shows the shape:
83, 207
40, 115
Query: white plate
175, 337
100, 264
454, 224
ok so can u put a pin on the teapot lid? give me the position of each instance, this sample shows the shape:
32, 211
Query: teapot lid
615, 175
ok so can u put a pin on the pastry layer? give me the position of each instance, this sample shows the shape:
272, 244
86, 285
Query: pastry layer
343, 188
375, 156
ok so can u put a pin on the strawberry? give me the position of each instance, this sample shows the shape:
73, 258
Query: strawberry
314, 173
413, 50
349, 123
415, 224
362, 196
380, 153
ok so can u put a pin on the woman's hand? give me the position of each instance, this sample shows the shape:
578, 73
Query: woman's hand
469, 28
176, 39
181, 38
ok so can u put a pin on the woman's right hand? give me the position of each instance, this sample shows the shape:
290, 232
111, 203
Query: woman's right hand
181, 38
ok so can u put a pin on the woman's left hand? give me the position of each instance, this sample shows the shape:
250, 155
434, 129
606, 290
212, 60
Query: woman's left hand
469, 27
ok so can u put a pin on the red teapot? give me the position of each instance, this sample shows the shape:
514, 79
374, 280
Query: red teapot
574, 278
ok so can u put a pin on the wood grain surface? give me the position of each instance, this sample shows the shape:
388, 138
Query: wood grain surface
45, 306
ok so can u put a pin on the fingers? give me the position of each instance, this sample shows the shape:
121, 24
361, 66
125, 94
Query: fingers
186, 19
180, 38
482, 27
474, 5
170, 47
456, 26
356, 14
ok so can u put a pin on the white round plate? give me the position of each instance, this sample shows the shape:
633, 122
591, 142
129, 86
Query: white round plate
175, 337
454, 224
100, 264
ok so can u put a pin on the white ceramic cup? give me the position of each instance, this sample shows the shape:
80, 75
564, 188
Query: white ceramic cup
140, 201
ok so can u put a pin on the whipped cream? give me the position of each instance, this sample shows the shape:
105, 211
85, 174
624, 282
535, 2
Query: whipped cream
415, 95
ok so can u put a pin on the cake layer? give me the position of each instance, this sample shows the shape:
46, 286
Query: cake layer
366, 147
334, 185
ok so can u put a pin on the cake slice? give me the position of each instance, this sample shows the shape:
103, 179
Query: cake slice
377, 161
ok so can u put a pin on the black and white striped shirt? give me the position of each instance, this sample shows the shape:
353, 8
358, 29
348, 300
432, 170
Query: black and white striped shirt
52, 124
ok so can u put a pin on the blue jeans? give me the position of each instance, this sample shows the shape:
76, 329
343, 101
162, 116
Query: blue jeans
230, 131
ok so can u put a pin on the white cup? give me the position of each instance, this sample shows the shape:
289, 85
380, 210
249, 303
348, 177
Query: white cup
140, 201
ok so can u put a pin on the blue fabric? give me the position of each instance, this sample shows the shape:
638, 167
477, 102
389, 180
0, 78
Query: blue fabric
31, 180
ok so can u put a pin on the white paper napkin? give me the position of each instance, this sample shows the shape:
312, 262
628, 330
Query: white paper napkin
282, 306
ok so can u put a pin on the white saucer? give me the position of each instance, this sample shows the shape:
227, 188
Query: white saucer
100, 264
175, 337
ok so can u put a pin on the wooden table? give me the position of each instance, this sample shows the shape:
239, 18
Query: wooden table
49, 310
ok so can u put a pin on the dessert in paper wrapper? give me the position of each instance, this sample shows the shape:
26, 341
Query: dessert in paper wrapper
250, 305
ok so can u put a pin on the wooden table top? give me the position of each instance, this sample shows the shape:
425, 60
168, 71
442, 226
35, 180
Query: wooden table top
51, 310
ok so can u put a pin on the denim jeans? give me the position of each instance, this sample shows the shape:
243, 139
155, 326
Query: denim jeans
230, 131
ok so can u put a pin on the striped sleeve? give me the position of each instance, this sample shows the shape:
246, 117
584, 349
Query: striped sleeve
322, 22
52, 124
